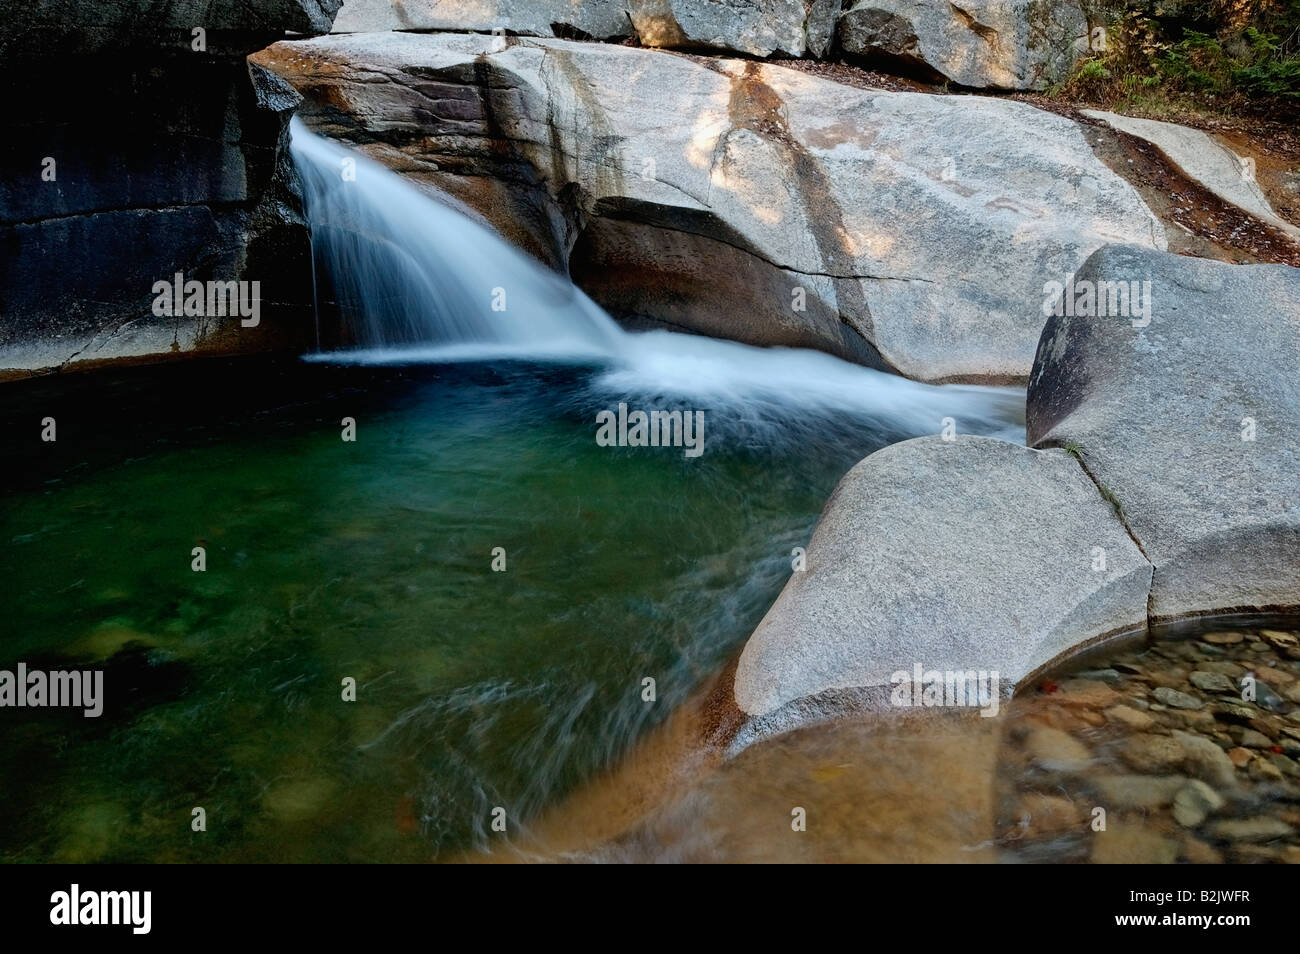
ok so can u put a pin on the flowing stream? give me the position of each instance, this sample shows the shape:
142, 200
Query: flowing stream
373, 559
421, 282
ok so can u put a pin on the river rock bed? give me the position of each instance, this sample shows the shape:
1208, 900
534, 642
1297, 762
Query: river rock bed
1181, 750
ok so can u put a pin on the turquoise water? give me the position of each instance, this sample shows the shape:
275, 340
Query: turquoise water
371, 560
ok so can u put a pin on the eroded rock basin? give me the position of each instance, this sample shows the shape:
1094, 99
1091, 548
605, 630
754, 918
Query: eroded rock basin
1156, 753
373, 560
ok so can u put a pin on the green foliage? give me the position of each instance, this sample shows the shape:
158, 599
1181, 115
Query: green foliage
1222, 55
1093, 70
1273, 73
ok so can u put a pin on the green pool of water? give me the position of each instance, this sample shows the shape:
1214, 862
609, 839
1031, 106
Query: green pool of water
371, 560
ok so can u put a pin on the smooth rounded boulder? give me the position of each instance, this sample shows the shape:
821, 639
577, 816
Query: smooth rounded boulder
1174, 380
967, 555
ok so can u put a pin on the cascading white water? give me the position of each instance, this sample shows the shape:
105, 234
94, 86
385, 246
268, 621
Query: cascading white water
409, 270
419, 280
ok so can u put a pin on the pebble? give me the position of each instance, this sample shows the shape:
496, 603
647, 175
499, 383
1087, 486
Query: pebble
1197, 852
1176, 699
1229, 638
1286, 766
1234, 712
1168, 679
1230, 669
1086, 692
1244, 853
1059, 717
1213, 682
1275, 677
1266, 697
1197, 719
1137, 791
1240, 757
1279, 640
1057, 750
1264, 727
1185, 649
1262, 828
1195, 802
1264, 771
1126, 843
1042, 814
1205, 759
1152, 753
1250, 738
1101, 675
1132, 718
1195, 752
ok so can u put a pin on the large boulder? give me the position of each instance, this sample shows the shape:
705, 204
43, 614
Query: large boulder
137, 149
969, 554
1003, 44
597, 19
1008, 44
753, 27
1185, 412
756, 27
741, 199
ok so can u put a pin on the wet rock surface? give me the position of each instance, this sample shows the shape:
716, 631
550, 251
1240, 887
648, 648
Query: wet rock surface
908, 230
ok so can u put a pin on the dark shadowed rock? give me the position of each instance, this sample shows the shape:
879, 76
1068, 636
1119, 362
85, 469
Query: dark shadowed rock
175, 163
38, 29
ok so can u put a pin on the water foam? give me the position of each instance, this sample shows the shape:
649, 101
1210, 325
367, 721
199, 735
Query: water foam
419, 280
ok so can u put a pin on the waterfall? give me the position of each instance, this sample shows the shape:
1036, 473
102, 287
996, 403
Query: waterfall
408, 270
421, 282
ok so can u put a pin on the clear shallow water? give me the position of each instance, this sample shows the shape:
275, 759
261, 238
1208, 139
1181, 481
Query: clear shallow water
372, 560
1189, 746
1205, 776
